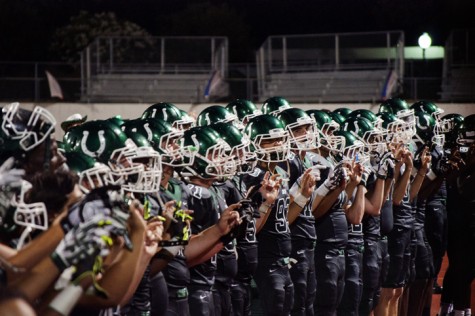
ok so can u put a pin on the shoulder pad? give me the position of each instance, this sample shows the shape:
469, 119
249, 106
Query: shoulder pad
199, 192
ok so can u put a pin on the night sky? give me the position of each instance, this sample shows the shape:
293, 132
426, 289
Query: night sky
27, 26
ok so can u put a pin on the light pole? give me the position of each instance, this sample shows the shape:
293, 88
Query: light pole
424, 42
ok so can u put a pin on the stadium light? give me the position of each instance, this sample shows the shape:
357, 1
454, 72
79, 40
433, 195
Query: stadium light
424, 42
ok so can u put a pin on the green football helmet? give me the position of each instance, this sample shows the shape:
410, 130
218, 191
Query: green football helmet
301, 129
210, 159
425, 127
107, 143
326, 127
240, 146
367, 114
243, 109
337, 117
117, 120
343, 112
352, 148
400, 108
450, 124
428, 107
165, 139
187, 121
169, 113
264, 130
146, 163
364, 130
97, 139
393, 106
433, 110
274, 105
391, 126
216, 114
92, 174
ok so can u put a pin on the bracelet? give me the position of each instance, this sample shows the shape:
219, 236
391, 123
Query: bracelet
300, 200
264, 208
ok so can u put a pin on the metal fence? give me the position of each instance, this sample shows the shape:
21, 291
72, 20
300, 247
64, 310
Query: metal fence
27, 82
330, 52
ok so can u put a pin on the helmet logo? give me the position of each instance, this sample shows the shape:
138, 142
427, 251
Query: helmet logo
149, 131
102, 144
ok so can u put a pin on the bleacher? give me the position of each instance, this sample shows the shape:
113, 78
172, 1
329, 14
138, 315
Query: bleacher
327, 86
458, 82
186, 88
340, 67
136, 69
459, 85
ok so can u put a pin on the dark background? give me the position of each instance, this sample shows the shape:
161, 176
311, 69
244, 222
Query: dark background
27, 26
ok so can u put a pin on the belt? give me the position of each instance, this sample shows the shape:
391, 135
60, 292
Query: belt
178, 293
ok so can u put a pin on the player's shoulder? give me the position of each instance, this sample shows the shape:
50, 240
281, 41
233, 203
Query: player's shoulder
198, 191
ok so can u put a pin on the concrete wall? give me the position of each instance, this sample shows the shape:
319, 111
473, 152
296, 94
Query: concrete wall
96, 111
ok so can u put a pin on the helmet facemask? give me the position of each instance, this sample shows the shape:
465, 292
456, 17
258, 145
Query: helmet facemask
408, 127
148, 179
122, 165
275, 153
95, 177
245, 159
39, 126
306, 141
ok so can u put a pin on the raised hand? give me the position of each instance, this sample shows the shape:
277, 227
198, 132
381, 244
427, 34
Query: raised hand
385, 165
229, 219
82, 244
270, 186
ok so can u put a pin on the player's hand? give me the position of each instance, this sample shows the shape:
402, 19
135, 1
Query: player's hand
270, 186
229, 219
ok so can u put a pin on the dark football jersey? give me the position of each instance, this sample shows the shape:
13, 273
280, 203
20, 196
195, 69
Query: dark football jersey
332, 227
371, 224
304, 225
274, 237
226, 257
205, 215
403, 213
176, 272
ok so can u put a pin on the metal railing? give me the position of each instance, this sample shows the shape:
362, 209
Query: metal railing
330, 52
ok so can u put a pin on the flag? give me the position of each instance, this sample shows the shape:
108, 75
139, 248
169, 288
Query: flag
212, 84
216, 87
389, 85
54, 88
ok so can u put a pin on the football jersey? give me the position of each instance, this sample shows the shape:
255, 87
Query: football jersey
274, 237
304, 225
371, 223
205, 215
332, 227
403, 213
226, 257
176, 272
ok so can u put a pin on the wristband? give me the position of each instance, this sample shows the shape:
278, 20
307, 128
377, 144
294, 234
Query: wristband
65, 301
264, 208
322, 190
431, 175
300, 200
